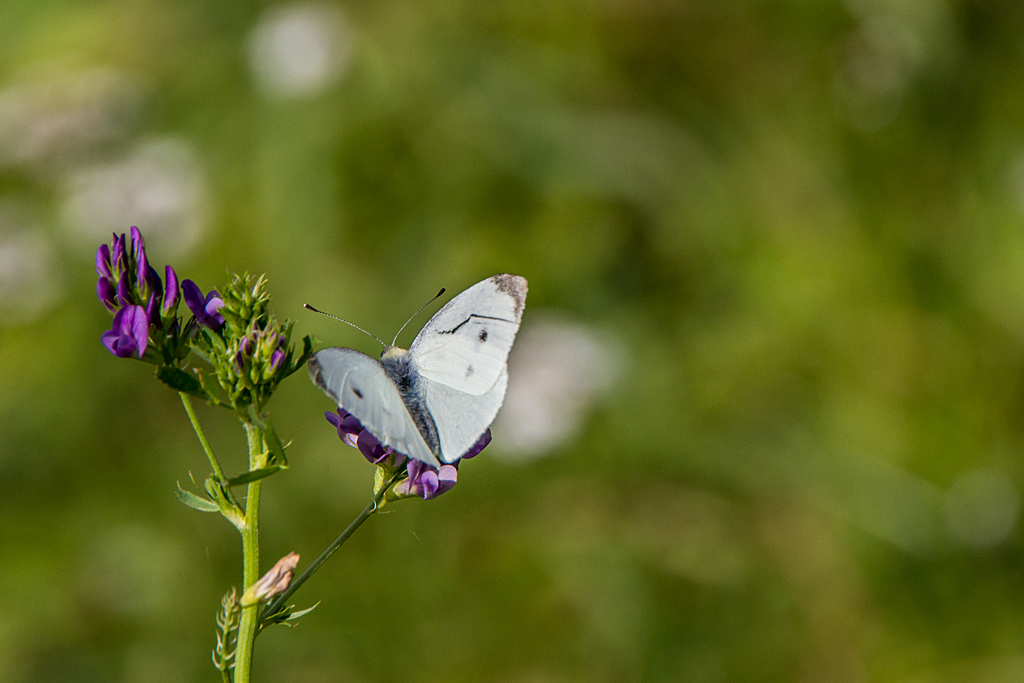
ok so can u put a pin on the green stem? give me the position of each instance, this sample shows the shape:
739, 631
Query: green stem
250, 556
187, 402
278, 604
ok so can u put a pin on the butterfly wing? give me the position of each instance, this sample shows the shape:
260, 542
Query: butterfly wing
359, 384
460, 356
466, 343
462, 418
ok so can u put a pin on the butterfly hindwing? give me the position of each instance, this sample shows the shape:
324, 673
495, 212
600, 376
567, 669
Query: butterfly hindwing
359, 384
462, 418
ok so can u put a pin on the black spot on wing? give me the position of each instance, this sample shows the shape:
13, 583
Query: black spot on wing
469, 371
483, 335
358, 393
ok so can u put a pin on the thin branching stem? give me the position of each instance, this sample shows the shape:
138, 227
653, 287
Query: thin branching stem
278, 604
187, 402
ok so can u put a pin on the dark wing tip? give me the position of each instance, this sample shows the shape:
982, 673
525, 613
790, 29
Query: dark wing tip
514, 286
317, 376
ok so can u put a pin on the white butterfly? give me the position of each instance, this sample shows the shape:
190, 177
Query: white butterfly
434, 401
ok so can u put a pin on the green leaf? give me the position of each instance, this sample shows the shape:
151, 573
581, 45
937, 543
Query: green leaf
275, 446
216, 343
301, 613
196, 502
202, 354
179, 380
255, 475
284, 616
307, 351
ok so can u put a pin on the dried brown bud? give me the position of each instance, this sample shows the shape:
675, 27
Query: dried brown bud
273, 583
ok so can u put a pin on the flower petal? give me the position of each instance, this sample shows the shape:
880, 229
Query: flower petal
136, 325
193, 296
116, 341
212, 305
481, 444
119, 257
103, 262
370, 447
204, 308
105, 293
275, 360
428, 485
137, 243
124, 295
171, 291
152, 314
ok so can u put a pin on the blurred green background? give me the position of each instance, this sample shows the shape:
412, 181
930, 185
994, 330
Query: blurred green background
765, 418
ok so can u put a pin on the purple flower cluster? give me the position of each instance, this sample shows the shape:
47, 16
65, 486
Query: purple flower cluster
145, 307
422, 480
131, 289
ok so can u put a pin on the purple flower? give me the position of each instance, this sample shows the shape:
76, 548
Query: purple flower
204, 308
128, 281
352, 433
139, 252
152, 312
103, 262
371, 448
120, 256
426, 482
275, 360
481, 444
130, 333
348, 426
171, 292
106, 294
422, 480
124, 295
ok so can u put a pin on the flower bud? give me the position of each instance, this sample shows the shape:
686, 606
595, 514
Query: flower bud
103, 262
105, 293
273, 583
171, 293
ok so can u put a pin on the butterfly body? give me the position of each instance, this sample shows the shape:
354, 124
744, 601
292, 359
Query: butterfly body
433, 401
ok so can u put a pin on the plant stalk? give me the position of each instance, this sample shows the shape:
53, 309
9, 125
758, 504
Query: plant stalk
250, 556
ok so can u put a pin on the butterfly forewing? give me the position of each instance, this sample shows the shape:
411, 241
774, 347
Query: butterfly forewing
466, 344
359, 385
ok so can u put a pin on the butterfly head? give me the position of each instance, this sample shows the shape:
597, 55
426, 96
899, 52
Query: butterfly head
393, 353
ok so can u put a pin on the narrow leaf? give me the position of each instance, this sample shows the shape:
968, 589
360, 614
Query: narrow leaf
179, 380
196, 502
307, 351
254, 475
275, 446
301, 613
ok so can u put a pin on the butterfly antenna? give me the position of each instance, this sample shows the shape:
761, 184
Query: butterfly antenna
346, 322
436, 296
